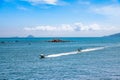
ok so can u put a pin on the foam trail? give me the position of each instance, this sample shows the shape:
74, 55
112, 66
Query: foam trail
92, 49
75, 52
62, 54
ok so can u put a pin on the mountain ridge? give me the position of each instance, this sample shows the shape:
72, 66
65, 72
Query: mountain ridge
113, 35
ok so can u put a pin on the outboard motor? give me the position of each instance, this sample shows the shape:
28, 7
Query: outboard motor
42, 56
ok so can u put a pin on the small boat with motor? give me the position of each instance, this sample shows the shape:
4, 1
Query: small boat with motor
79, 50
42, 56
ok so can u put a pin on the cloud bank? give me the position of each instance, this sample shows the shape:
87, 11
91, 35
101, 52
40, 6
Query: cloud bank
35, 2
68, 27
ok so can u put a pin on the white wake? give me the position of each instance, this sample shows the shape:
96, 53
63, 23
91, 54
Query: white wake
75, 52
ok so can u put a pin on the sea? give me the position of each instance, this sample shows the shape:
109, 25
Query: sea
98, 59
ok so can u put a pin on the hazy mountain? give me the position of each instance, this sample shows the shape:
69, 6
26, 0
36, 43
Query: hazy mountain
114, 35
30, 36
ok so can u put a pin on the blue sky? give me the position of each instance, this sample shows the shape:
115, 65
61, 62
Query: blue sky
56, 18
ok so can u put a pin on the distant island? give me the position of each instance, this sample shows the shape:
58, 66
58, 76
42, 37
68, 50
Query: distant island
114, 35
30, 36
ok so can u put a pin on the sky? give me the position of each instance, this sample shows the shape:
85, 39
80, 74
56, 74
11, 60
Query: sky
59, 18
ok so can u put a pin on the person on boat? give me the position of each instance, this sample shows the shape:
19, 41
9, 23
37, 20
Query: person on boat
42, 56
79, 50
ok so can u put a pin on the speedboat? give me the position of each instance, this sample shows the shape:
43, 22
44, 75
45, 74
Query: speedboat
79, 50
42, 56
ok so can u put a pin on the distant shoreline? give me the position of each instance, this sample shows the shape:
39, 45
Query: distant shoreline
31, 36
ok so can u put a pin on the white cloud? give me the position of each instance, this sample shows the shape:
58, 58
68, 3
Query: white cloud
70, 28
50, 28
51, 1
95, 27
111, 10
35, 2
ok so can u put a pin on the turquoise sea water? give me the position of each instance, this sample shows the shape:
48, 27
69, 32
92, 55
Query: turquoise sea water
98, 60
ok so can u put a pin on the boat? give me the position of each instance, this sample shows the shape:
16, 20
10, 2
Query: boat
79, 50
42, 56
